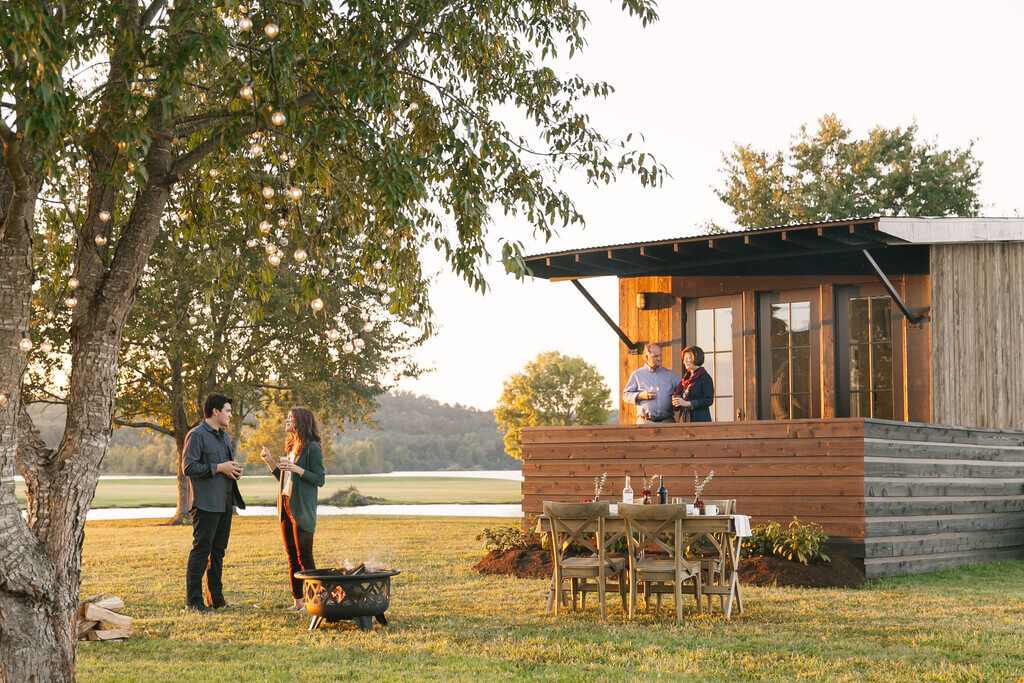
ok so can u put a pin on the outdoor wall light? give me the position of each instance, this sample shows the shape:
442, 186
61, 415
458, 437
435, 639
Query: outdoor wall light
655, 301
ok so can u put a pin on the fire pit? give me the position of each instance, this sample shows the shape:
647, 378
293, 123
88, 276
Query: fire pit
360, 594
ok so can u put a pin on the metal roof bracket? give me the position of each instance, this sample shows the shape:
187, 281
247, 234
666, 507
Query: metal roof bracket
892, 290
633, 347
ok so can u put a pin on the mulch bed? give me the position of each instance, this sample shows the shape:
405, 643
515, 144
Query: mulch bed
844, 571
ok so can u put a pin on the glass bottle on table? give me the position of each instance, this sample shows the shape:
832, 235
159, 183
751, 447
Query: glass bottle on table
662, 493
627, 493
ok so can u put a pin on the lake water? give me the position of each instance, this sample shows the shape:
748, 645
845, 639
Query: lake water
507, 475
435, 510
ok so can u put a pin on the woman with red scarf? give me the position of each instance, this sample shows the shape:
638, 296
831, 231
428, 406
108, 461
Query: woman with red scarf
696, 392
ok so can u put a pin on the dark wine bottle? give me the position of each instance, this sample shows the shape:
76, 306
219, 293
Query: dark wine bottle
662, 493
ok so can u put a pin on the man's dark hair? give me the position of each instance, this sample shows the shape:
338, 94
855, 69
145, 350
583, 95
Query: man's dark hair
214, 402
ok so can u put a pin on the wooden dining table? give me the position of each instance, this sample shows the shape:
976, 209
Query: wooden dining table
720, 530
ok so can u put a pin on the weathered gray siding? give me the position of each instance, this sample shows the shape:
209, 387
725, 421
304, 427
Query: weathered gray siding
939, 497
977, 317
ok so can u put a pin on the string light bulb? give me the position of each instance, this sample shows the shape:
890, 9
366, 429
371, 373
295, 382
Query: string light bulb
377, 265
104, 216
46, 347
334, 335
214, 173
343, 309
284, 241
3, 399
251, 243
26, 343
271, 248
256, 149
277, 119
100, 240
192, 320
389, 232
385, 299
295, 192
268, 192
274, 259
348, 347
246, 92
265, 227
368, 327
72, 283
317, 304
360, 344
300, 255
245, 23
281, 222
71, 302
324, 272
271, 30
283, 156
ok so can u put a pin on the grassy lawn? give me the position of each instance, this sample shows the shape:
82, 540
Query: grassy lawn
262, 490
447, 622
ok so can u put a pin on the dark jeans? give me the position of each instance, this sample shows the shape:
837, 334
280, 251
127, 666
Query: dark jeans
210, 533
299, 546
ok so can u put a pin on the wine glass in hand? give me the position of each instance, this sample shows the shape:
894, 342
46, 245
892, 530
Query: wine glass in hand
267, 458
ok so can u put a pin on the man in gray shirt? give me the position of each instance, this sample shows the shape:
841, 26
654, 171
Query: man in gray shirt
213, 494
650, 388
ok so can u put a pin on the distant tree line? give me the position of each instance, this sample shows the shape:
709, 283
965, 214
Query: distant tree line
409, 433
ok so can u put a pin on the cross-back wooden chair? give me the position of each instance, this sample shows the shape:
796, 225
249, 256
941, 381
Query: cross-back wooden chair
582, 524
715, 569
648, 526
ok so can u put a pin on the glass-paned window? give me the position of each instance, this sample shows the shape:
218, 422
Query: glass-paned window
789, 360
714, 337
871, 384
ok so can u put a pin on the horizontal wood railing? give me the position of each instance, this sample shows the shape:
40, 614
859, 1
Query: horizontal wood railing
907, 497
813, 469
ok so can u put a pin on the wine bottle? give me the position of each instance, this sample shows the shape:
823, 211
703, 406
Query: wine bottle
662, 493
627, 493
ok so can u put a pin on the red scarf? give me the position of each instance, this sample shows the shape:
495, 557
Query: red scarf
689, 379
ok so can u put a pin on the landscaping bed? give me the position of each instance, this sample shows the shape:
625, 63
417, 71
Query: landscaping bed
843, 571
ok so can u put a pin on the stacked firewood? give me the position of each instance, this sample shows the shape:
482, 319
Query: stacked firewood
98, 619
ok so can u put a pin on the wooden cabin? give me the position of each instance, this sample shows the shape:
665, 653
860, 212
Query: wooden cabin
869, 376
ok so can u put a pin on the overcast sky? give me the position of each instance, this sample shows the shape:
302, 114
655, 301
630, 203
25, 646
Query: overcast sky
708, 75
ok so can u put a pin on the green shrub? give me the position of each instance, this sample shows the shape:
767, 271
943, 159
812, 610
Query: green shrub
510, 537
800, 542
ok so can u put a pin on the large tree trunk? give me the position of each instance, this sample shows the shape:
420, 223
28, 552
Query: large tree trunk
34, 632
40, 555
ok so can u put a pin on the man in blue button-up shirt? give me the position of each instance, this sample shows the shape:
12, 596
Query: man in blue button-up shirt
213, 475
650, 388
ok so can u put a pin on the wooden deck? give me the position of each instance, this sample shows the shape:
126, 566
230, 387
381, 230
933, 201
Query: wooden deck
907, 497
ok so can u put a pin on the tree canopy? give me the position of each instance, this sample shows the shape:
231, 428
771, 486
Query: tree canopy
826, 174
553, 390
391, 126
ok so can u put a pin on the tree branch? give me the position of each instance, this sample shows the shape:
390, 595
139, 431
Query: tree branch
143, 425
150, 14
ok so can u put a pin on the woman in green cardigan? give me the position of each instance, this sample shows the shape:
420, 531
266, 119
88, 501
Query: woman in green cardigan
299, 473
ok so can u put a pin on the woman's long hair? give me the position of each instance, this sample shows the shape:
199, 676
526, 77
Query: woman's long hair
307, 429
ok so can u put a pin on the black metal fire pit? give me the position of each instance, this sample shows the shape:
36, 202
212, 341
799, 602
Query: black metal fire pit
361, 595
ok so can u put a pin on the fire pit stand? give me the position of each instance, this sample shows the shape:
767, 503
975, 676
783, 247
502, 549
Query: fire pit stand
361, 594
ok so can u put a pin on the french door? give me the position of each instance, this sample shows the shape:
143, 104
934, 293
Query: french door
789, 355
712, 323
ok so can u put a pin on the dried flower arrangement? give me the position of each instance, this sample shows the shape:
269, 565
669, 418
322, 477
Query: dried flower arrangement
698, 485
599, 485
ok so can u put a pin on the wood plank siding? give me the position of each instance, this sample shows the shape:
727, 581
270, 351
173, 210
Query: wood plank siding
977, 293
908, 498
775, 469
939, 497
